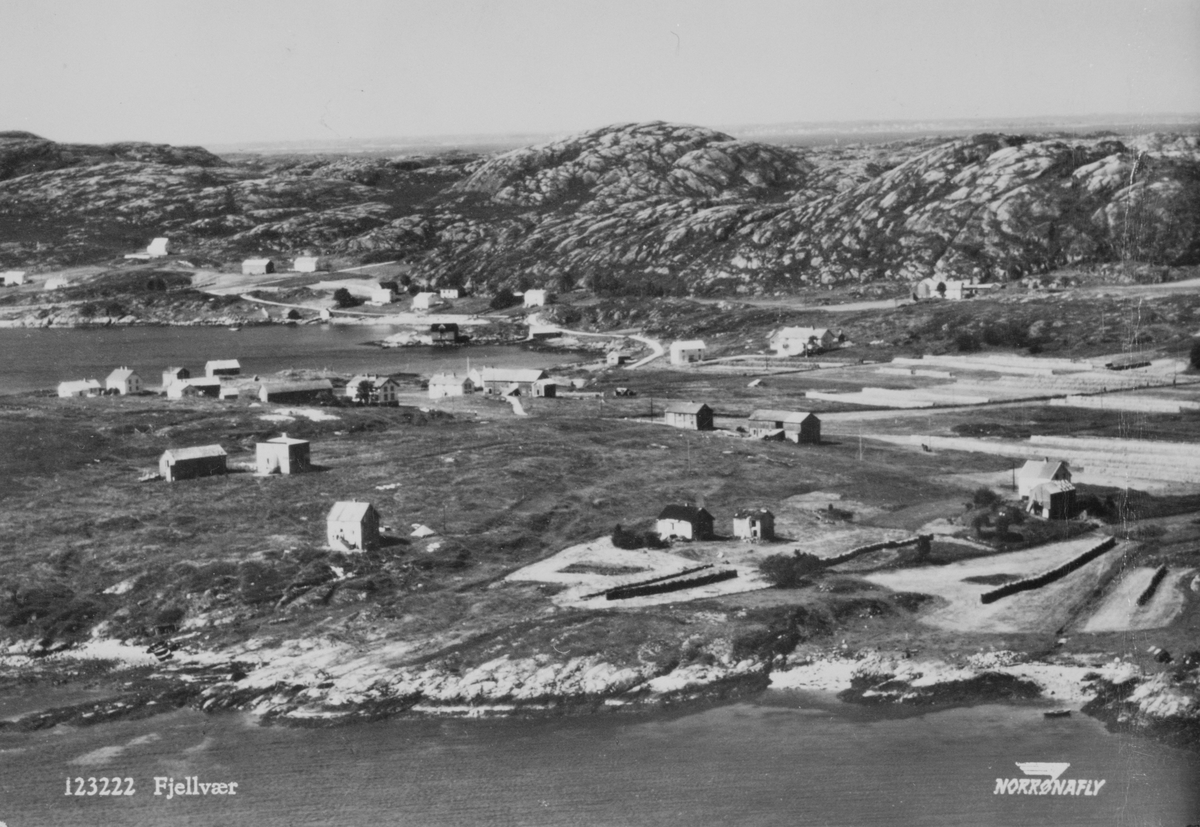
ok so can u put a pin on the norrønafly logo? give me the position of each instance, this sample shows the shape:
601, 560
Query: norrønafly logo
1044, 779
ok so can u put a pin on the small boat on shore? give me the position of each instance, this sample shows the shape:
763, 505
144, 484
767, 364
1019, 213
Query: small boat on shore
1057, 713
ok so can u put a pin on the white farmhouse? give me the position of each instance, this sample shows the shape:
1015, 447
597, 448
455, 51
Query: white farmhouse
442, 385
535, 298
257, 266
124, 381
352, 526
11, 278
686, 351
306, 264
426, 300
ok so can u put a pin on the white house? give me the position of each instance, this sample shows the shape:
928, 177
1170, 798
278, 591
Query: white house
352, 526
282, 455
380, 390
686, 351
57, 283
535, 298
384, 295
448, 384
1037, 471
306, 264
173, 374
684, 522
10, 278
754, 524
124, 381
257, 266
425, 300
222, 367
800, 341
82, 387
158, 248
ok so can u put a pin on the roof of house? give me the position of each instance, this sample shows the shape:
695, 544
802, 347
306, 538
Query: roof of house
794, 417
443, 326
743, 513
253, 261
689, 513
284, 439
79, 384
173, 370
802, 333
448, 379
349, 512
196, 452
221, 364
200, 381
688, 344
513, 374
1040, 469
307, 258
1054, 486
685, 407
121, 373
297, 386
372, 379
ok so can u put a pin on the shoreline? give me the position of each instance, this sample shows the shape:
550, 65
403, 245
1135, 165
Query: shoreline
320, 683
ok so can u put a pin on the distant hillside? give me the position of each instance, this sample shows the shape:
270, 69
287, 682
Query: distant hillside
638, 209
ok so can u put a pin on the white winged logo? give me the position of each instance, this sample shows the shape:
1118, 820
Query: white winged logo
1042, 768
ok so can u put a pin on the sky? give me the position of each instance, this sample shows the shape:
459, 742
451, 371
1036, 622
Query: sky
211, 72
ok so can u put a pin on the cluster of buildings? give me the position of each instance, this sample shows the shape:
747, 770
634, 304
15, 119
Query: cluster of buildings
953, 289
801, 427
1046, 489
690, 522
350, 526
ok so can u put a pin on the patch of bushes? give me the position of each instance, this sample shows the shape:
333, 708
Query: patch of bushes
503, 300
784, 572
630, 539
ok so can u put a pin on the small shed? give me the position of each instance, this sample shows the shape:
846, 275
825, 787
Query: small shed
450, 293
448, 384
687, 351
1037, 471
257, 267
535, 298
81, 387
425, 300
444, 333
158, 248
684, 522
222, 367
172, 375
797, 426
380, 390
754, 524
309, 390
1054, 500
11, 278
547, 388
693, 416
352, 526
616, 358
282, 455
124, 381
306, 264
188, 463
195, 386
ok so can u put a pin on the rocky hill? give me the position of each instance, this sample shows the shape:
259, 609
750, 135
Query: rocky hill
634, 209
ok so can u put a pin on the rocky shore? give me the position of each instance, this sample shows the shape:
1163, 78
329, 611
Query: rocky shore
320, 682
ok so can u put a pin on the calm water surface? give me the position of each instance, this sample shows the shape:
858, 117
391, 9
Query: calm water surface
40, 359
778, 761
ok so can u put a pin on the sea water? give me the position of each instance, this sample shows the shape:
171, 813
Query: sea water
41, 358
778, 760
